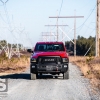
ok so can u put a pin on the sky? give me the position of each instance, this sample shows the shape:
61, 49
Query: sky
23, 21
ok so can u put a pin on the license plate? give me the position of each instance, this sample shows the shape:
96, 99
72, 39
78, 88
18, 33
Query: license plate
49, 68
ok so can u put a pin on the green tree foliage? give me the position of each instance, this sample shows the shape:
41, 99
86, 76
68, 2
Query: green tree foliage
4, 43
82, 45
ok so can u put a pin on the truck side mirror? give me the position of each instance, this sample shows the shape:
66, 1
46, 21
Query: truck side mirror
29, 50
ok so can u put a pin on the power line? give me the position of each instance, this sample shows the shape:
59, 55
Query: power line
88, 28
81, 26
10, 50
8, 19
2, 18
60, 7
59, 12
3, 1
91, 31
7, 15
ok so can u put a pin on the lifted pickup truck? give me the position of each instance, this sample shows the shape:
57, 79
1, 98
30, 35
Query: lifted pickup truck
49, 57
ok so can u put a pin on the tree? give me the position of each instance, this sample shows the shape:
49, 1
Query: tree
82, 45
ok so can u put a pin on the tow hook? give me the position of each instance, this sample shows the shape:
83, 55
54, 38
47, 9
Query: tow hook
57, 68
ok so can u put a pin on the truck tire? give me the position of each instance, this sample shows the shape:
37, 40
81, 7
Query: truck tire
33, 76
66, 75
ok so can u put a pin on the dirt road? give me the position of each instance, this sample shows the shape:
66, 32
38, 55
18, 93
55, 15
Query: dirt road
20, 87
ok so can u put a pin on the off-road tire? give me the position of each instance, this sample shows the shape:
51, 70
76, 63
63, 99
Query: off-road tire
66, 75
33, 76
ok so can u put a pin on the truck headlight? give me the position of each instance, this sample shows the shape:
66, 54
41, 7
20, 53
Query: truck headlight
65, 59
33, 66
65, 66
33, 59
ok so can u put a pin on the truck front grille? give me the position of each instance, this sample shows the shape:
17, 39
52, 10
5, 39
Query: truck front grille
46, 59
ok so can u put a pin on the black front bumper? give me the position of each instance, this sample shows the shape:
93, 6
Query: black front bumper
48, 68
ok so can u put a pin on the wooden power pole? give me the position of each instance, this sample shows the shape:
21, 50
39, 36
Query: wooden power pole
98, 30
74, 27
47, 34
57, 29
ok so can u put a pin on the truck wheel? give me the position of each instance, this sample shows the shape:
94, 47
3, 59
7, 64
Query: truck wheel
66, 75
33, 76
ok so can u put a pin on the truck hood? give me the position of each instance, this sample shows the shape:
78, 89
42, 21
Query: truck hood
58, 53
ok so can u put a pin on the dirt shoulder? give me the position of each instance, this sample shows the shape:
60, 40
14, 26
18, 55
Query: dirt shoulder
90, 67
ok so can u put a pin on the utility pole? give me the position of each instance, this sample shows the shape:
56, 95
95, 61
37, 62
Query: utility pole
57, 28
74, 27
47, 35
98, 30
62, 32
75, 35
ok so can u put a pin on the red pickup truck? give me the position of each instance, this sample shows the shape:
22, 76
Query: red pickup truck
49, 57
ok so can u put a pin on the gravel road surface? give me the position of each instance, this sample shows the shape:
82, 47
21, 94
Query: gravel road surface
20, 87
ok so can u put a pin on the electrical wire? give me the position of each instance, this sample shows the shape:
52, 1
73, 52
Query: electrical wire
0, 13
60, 7
92, 31
86, 20
4, 2
8, 19
88, 28
2, 18
7, 16
59, 13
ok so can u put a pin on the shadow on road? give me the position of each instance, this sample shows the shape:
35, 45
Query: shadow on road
17, 76
27, 76
45, 76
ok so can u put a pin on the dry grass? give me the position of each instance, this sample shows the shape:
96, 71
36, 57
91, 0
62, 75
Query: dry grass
13, 65
90, 67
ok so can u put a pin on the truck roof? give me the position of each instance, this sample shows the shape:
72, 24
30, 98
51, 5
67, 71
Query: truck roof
49, 42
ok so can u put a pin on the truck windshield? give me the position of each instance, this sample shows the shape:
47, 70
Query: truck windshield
49, 47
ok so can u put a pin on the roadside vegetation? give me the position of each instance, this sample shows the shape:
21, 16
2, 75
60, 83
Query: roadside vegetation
13, 65
90, 67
